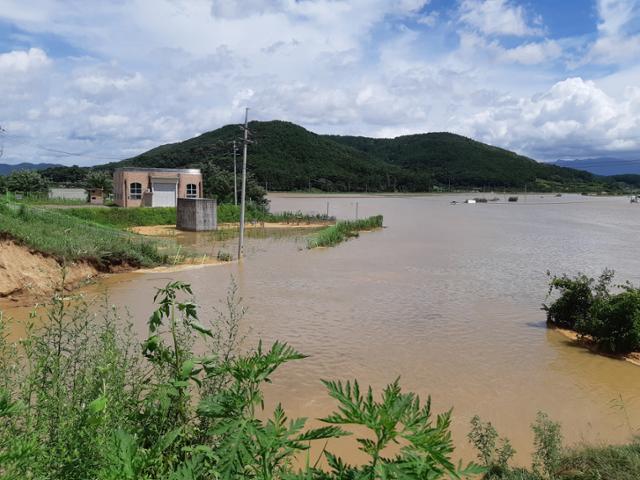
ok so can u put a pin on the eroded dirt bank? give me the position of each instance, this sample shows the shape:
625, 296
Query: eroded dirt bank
26, 275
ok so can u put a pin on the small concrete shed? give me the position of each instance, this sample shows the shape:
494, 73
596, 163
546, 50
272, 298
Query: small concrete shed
197, 214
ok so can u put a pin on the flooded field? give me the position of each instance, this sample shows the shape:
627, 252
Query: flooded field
446, 296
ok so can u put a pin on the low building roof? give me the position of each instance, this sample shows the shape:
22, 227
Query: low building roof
67, 190
194, 171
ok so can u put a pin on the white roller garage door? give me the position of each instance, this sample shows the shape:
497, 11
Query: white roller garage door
164, 195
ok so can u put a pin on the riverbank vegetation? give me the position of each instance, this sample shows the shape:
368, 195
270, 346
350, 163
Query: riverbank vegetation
81, 398
551, 459
66, 238
342, 231
227, 213
606, 315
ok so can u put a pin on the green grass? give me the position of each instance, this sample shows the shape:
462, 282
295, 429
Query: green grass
125, 217
65, 237
40, 199
227, 213
341, 231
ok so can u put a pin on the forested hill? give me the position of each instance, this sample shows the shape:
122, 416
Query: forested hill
285, 156
465, 162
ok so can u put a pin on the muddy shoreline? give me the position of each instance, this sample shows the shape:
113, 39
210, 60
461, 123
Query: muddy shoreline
633, 357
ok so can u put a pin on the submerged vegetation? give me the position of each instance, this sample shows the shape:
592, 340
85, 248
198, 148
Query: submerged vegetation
588, 306
342, 231
79, 398
52, 232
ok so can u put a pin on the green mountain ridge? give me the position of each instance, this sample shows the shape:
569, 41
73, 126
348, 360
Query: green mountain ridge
285, 156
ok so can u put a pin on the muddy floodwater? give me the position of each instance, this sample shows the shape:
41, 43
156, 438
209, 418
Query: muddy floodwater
446, 296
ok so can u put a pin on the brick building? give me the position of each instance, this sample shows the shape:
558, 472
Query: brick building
155, 187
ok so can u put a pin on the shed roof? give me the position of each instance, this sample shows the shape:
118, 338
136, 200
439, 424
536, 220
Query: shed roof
193, 171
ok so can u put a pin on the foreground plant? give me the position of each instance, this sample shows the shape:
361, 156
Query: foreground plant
403, 440
80, 398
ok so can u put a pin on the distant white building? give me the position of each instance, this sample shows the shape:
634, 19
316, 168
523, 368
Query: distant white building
68, 194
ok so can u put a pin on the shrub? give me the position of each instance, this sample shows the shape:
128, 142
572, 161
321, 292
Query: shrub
548, 446
614, 322
611, 320
484, 437
576, 297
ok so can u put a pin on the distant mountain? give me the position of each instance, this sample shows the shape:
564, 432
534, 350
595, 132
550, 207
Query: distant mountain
285, 156
6, 169
603, 165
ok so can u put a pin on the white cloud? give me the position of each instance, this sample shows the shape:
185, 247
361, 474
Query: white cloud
22, 61
497, 17
96, 83
532, 53
573, 118
370, 67
617, 40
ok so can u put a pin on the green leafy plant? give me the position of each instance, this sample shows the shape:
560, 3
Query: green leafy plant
493, 452
548, 446
399, 421
248, 447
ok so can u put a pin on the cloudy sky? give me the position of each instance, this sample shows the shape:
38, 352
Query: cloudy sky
85, 82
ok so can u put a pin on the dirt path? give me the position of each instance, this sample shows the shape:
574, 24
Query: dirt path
171, 230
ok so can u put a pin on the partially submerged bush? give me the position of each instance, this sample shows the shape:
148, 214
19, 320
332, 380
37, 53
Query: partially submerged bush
611, 320
614, 322
577, 295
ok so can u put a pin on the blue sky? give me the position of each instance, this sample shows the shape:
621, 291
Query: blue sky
108, 80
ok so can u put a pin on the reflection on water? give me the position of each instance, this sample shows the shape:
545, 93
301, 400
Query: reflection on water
447, 297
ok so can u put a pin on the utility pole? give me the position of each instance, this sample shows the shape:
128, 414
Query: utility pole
2, 132
245, 142
235, 174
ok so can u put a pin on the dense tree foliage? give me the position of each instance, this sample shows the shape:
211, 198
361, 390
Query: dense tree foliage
73, 176
466, 163
285, 156
610, 319
99, 180
25, 181
218, 183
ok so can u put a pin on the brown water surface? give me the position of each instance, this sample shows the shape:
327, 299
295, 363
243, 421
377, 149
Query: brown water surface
446, 296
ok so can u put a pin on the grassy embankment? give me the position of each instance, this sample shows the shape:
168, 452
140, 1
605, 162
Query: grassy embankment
342, 231
136, 217
80, 397
67, 238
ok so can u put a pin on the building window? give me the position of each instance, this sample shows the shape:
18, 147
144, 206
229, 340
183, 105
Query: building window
192, 190
136, 191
